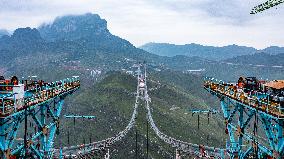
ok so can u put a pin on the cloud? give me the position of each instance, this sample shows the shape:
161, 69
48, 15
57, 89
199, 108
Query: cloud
209, 22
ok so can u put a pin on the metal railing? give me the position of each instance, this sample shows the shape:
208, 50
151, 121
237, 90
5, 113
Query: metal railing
255, 99
35, 95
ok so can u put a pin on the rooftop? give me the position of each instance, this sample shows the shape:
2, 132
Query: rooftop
277, 84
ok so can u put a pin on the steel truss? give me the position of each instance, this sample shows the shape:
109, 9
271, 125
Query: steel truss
266, 5
242, 121
252, 132
40, 124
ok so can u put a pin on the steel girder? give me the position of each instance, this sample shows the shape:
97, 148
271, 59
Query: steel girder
242, 123
40, 139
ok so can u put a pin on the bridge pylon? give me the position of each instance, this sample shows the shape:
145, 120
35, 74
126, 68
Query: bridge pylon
254, 122
34, 108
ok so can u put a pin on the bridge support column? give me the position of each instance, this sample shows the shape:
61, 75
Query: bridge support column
107, 155
178, 156
243, 142
8, 130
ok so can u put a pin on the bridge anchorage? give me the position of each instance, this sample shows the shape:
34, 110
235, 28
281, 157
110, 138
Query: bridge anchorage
254, 113
35, 106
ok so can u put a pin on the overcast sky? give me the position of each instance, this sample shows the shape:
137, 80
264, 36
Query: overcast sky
207, 22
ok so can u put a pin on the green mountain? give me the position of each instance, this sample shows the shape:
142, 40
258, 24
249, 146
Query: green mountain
191, 50
207, 52
75, 27
82, 45
259, 59
112, 100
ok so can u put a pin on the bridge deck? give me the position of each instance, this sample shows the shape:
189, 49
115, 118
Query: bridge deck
255, 101
37, 95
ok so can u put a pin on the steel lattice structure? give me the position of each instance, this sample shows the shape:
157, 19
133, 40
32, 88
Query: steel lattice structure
266, 5
41, 107
245, 115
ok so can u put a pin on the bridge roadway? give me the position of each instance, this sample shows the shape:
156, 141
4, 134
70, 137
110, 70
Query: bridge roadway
190, 149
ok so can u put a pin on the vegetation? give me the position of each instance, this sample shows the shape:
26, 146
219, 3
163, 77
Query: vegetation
111, 101
78, 45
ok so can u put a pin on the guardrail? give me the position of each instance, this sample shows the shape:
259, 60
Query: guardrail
255, 99
38, 94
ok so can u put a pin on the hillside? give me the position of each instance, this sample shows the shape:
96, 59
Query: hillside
89, 45
191, 50
82, 43
259, 59
111, 100
273, 50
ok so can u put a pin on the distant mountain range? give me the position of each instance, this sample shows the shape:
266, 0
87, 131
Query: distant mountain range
77, 45
208, 52
259, 59
84, 42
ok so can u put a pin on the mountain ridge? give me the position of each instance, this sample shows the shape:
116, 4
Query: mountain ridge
208, 52
100, 50
59, 55
262, 58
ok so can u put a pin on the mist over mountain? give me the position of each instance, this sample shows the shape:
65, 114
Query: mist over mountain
208, 52
89, 30
77, 45
3, 32
75, 27
82, 44
79, 37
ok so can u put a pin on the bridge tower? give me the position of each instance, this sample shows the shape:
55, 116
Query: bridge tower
254, 123
29, 116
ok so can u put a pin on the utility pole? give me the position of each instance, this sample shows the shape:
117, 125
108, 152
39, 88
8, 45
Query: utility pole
25, 136
198, 121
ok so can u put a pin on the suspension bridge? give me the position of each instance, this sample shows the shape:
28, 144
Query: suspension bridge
94, 149
42, 103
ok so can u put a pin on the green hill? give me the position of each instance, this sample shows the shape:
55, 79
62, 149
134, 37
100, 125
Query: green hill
111, 100
54, 52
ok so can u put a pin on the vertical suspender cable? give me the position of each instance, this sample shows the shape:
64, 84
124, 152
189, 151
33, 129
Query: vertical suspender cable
136, 143
147, 139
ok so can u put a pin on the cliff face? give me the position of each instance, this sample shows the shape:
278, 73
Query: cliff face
75, 27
